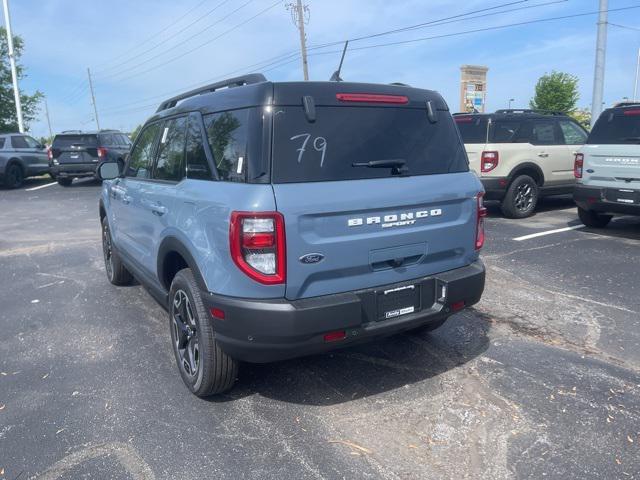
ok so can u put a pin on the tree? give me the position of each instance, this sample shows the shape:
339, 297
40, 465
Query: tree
556, 91
8, 118
135, 132
582, 116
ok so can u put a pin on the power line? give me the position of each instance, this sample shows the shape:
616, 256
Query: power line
200, 18
110, 75
275, 61
624, 26
173, 23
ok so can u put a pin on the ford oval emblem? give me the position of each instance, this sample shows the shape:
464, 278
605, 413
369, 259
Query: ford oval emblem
310, 258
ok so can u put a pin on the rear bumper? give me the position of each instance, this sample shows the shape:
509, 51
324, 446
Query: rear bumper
494, 187
270, 330
594, 198
74, 170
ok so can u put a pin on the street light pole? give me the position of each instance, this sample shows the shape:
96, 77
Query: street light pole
635, 85
598, 74
12, 61
46, 110
511, 100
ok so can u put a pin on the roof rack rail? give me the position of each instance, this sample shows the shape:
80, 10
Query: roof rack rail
229, 83
71, 131
626, 104
529, 110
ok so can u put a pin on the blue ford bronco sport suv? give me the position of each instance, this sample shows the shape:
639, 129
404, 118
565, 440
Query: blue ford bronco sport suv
275, 220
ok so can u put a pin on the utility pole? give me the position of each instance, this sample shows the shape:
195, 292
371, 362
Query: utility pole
635, 85
12, 61
46, 111
598, 74
298, 16
93, 99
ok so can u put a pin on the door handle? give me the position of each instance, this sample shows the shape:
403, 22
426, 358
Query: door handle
158, 210
543, 155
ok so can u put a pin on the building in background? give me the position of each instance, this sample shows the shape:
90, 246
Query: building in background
473, 88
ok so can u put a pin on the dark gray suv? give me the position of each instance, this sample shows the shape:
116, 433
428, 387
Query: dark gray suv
21, 156
77, 154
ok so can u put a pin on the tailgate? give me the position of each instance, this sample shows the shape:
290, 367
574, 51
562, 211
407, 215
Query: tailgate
68, 149
611, 165
344, 236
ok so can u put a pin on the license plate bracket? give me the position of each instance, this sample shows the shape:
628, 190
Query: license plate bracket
398, 301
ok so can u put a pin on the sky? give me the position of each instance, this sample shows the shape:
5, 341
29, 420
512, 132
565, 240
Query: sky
144, 51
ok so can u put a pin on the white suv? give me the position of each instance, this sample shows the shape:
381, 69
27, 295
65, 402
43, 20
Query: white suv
521, 155
607, 168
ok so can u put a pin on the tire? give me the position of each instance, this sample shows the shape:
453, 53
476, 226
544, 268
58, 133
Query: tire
205, 369
521, 198
117, 273
13, 175
593, 219
65, 182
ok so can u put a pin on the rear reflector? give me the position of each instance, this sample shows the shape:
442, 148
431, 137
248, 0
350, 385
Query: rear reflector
335, 336
457, 306
217, 313
372, 98
632, 112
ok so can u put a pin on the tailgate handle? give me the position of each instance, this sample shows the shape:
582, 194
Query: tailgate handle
396, 262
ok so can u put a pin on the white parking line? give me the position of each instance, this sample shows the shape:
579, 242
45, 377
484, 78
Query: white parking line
39, 187
548, 232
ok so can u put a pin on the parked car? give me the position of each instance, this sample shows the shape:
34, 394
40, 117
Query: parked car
294, 218
607, 168
77, 154
21, 156
521, 155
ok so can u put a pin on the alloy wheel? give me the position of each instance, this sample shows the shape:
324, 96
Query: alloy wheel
185, 333
524, 197
107, 251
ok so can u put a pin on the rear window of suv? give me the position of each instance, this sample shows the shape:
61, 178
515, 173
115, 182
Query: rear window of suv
65, 141
616, 127
326, 149
473, 129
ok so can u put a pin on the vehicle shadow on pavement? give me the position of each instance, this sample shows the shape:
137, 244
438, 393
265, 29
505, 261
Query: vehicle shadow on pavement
620, 227
388, 364
546, 204
30, 182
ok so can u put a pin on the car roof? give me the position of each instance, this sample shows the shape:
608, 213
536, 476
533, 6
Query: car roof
261, 92
87, 132
514, 114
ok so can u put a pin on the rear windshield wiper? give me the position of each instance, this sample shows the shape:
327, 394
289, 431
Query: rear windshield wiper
397, 166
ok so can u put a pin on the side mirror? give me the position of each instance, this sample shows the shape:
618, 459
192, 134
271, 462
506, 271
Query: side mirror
109, 171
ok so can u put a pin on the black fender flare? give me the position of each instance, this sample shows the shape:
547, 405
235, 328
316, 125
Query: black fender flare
524, 166
173, 244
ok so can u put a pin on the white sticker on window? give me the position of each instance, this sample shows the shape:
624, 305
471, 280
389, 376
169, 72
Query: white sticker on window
240, 162
164, 135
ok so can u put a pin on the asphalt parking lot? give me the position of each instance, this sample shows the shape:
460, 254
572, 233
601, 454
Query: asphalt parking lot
539, 380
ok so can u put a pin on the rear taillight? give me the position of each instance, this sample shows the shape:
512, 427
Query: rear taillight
102, 152
578, 163
632, 112
372, 98
489, 161
482, 212
49, 154
257, 243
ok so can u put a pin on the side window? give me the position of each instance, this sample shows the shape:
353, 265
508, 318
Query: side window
504, 131
1, 142
18, 141
197, 164
32, 142
141, 157
116, 139
544, 133
106, 139
227, 133
170, 163
573, 134
125, 140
